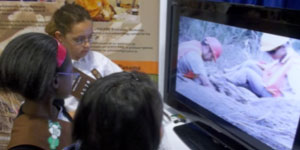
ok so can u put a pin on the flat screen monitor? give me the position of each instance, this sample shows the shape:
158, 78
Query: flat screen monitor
237, 66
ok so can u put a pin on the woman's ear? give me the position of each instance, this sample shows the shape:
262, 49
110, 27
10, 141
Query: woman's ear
58, 36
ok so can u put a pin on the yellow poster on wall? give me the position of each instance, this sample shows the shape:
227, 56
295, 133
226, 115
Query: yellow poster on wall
126, 31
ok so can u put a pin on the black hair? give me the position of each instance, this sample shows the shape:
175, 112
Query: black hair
120, 111
65, 17
28, 65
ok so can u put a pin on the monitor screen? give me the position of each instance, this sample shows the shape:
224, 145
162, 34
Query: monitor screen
234, 65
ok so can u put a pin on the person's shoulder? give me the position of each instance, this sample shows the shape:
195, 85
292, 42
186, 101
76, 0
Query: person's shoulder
95, 53
97, 56
194, 54
104, 64
191, 42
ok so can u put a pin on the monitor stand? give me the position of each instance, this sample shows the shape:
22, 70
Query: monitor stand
197, 136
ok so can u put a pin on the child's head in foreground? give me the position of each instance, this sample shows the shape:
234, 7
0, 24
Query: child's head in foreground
120, 111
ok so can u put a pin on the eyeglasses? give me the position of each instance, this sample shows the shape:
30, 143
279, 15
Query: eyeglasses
74, 75
83, 39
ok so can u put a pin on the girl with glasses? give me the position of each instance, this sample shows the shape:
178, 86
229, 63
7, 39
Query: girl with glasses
73, 27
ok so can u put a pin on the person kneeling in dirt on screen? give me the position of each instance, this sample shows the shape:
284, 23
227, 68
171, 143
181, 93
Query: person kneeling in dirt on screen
275, 79
191, 57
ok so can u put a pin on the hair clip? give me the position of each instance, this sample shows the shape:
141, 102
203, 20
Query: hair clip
61, 54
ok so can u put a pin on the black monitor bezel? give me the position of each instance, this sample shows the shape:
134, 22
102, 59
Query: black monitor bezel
271, 20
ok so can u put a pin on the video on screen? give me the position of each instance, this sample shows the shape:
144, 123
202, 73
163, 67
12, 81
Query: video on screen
248, 78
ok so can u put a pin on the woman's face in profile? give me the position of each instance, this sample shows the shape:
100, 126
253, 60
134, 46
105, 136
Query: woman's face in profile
278, 53
207, 53
64, 80
78, 40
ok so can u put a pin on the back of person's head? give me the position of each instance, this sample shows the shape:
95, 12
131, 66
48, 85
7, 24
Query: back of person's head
65, 17
28, 65
122, 111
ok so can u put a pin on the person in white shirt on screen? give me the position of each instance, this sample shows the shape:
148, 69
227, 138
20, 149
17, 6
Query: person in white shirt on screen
73, 27
191, 57
276, 79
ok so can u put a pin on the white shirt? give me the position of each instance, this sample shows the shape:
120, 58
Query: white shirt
93, 60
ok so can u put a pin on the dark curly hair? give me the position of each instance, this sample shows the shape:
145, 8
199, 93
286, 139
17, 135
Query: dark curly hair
120, 111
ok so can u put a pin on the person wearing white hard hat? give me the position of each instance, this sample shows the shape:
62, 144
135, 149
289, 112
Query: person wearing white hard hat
274, 45
275, 79
191, 57
280, 78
